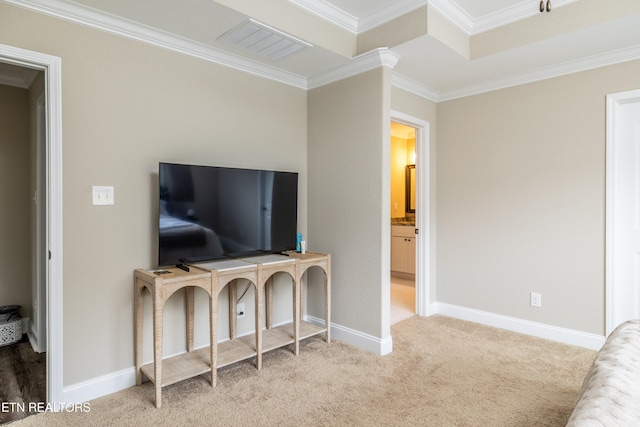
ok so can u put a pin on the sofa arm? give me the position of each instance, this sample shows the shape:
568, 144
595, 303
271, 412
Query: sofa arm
610, 393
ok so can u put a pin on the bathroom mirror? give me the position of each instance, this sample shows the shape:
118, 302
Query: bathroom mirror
410, 189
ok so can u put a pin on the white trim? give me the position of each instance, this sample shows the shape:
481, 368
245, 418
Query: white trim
570, 67
511, 14
381, 57
388, 13
119, 26
613, 102
133, 30
449, 10
330, 13
505, 16
412, 86
540, 330
51, 66
426, 237
354, 25
355, 338
125, 378
454, 14
99, 386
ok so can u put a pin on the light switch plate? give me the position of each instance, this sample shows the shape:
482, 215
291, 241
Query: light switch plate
103, 195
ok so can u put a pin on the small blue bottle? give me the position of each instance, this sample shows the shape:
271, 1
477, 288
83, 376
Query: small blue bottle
298, 240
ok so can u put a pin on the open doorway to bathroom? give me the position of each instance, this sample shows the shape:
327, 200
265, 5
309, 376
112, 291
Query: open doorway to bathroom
403, 222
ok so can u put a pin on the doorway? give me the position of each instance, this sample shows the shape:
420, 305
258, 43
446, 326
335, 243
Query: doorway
622, 209
24, 363
50, 191
403, 222
424, 228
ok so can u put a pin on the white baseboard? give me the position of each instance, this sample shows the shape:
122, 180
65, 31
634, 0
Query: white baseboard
125, 378
540, 330
100, 386
379, 346
27, 328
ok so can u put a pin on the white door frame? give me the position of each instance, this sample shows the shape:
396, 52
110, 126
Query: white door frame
615, 300
41, 262
51, 66
424, 291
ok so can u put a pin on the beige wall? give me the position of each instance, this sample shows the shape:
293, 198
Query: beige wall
127, 106
521, 198
519, 190
15, 198
349, 194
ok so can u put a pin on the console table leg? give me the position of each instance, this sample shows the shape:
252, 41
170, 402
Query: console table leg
296, 317
189, 291
268, 286
259, 301
138, 321
301, 298
158, 303
213, 335
327, 299
233, 308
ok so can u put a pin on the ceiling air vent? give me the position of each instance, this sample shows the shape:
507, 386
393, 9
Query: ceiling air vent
262, 40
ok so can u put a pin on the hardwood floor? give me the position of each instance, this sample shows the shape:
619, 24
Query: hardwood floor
403, 299
22, 380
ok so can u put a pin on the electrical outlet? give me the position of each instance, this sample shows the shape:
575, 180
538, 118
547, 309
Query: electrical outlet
536, 299
240, 310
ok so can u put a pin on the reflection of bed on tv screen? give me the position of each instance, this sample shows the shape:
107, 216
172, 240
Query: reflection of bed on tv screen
209, 212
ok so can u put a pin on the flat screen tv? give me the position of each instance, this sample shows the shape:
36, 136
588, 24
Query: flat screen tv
209, 213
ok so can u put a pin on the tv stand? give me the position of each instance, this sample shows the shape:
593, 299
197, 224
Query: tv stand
213, 277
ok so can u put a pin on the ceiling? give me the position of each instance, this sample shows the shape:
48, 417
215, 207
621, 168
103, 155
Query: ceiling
575, 35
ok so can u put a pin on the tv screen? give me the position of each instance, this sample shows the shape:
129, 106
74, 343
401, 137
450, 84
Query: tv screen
209, 212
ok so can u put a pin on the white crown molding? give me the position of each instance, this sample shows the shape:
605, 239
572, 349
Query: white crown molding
381, 16
330, 13
585, 64
411, 86
381, 57
354, 25
359, 64
511, 14
570, 67
136, 31
454, 14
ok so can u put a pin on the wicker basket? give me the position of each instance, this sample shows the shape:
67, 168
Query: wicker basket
10, 325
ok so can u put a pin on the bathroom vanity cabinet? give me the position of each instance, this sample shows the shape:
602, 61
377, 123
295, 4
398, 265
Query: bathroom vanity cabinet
403, 249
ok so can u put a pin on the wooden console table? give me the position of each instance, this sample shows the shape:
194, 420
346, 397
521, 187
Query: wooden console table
303, 263
213, 277
172, 370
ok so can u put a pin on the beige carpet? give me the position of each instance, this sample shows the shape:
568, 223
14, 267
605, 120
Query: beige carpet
442, 372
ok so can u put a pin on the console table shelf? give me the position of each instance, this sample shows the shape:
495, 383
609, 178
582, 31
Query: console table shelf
236, 350
213, 277
180, 367
308, 330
